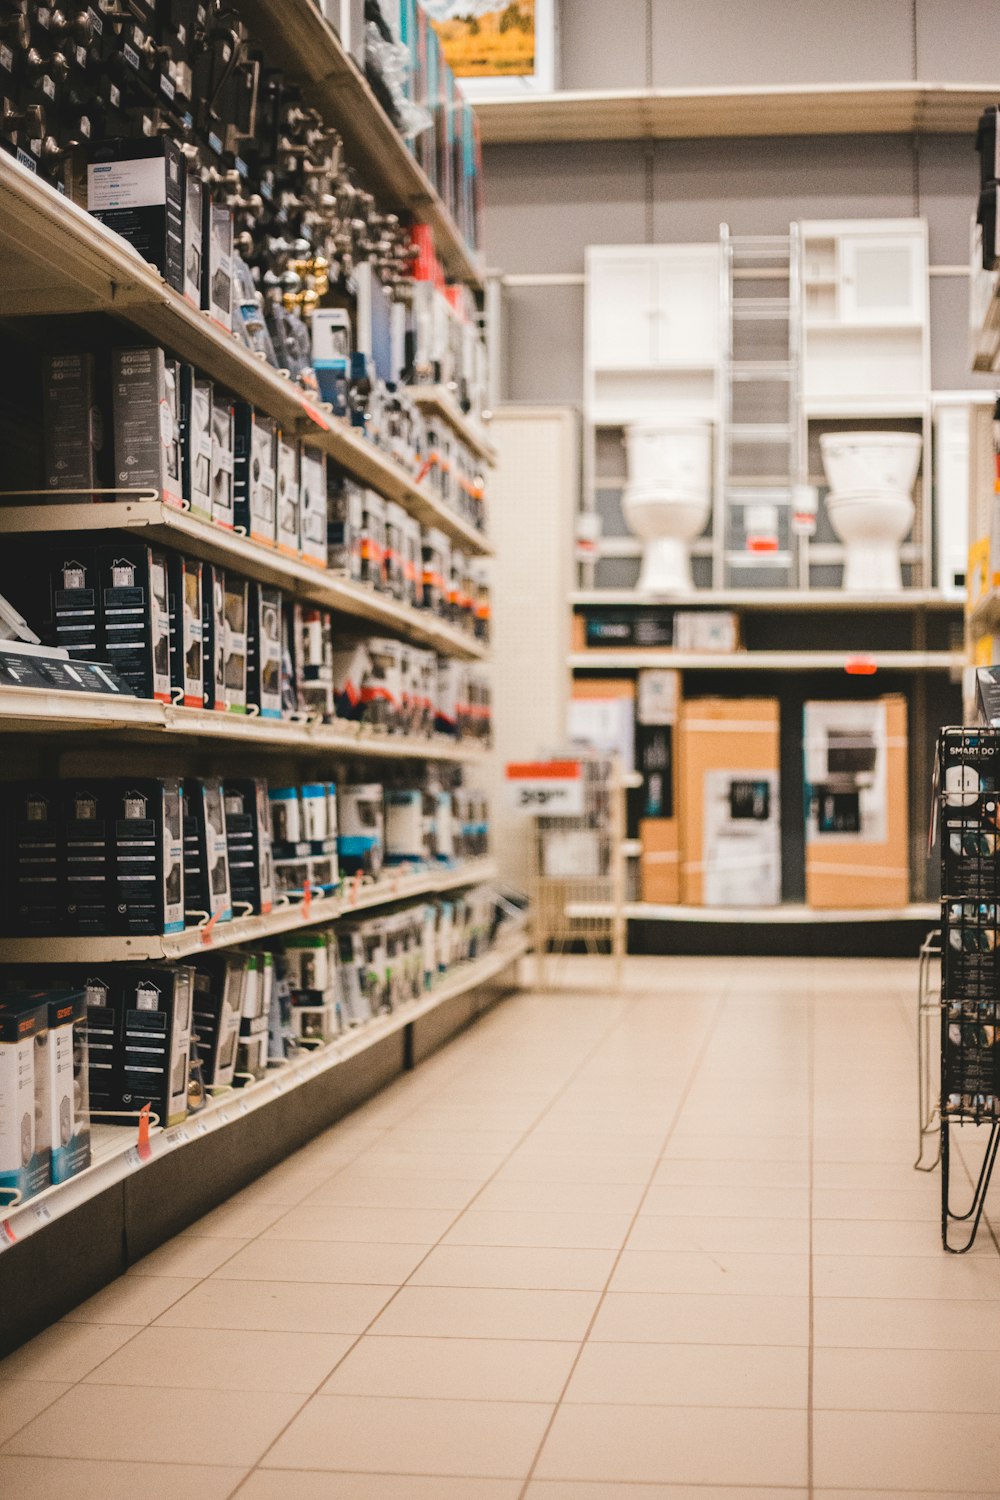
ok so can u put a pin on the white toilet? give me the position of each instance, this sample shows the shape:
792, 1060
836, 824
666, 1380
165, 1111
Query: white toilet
870, 503
668, 498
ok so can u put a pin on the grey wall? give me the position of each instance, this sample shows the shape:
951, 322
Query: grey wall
544, 203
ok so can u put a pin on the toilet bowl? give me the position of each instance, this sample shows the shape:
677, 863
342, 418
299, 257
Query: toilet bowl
667, 500
870, 507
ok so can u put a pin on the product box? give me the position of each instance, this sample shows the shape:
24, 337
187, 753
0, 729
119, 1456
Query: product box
213, 627
137, 188
222, 460
217, 265
312, 506
856, 795
708, 631
264, 650
85, 813
319, 827
970, 971
345, 527
405, 841
73, 429
629, 627
967, 783
135, 617
67, 1090
602, 716
290, 847
729, 802
196, 442
254, 482
102, 1031
187, 664
145, 403
251, 1056
154, 1004
658, 706
248, 841
35, 883
75, 596
361, 832
287, 470
234, 647
147, 855
207, 894
194, 229
25, 1156
217, 1007
314, 659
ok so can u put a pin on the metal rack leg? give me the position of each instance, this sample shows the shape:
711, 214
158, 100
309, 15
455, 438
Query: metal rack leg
975, 1209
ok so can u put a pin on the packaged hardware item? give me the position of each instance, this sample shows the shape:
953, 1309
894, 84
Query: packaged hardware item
194, 250
248, 838
213, 625
345, 527
968, 784
264, 651
222, 460
35, 894
254, 482
147, 855
67, 1087
25, 1154
196, 442
708, 631
152, 1005
187, 665
312, 506
287, 472
234, 649
352, 665
217, 265
84, 816
217, 1006
602, 716
360, 840
251, 1056
138, 189
405, 833
73, 428
146, 406
135, 617
207, 894
313, 637
75, 591
657, 709
290, 846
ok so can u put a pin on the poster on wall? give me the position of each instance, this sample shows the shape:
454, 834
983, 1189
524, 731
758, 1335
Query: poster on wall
497, 50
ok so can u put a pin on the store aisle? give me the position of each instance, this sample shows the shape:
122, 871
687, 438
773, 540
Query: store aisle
667, 1244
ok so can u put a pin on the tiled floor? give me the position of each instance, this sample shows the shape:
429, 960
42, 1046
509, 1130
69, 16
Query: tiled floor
663, 1245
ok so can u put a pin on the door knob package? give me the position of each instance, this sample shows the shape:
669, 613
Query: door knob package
207, 894
248, 838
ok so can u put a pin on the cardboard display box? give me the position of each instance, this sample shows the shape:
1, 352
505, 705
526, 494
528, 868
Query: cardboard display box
857, 804
602, 715
657, 709
730, 813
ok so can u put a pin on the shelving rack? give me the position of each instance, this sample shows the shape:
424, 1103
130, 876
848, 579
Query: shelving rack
55, 259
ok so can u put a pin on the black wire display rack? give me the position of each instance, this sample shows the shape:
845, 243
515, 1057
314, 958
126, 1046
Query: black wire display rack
967, 804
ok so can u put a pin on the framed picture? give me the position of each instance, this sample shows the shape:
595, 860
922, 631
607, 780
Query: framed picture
497, 50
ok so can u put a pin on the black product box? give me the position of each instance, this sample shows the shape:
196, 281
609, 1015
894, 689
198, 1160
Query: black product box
137, 188
654, 762
217, 265
75, 594
287, 472
154, 1004
219, 983
291, 684
248, 841
222, 460
254, 483
264, 650
147, 855
988, 145
145, 388
89, 886
234, 655
196, 442
629, 628
34, 860
103, 1034
213, 626
73, 426
970, 952
135, 617
988, 695
207, 896
251, 1057
194, 250
187, 667
968, 786
312, 506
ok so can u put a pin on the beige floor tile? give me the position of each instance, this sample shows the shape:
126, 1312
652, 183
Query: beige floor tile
924, 1450
228, 1359
388, 1192
455, 1369
286, 1484
516, 1266
487, 1313
898, 1323
729, 1173
132, 1299
683, 1445
537, 1166
693, 1233
561, 1197
98, 1479
66, 1351
186, 1256
871, 1148
392, 1226
713, 1271
439, 1142
943, 1277
324, 1261
896, 1175
582, 1231
550, 1142
729, 1202
21, 1400
236, 1220
907, 1380
723, 1375
282, 1306
491, 1439
122, 1422
557, 1489
450, 1166
855, 1494
736, 1146
652, 1318
891, 1237
921, 1203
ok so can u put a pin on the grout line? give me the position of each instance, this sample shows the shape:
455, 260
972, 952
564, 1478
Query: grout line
696, 1063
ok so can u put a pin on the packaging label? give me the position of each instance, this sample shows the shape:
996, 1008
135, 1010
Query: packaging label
140, 183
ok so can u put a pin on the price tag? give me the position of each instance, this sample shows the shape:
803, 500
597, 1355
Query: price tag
200, 1128
553, 788
133, 1158
43, 1214
178, 1137
243, 1108
224, 1116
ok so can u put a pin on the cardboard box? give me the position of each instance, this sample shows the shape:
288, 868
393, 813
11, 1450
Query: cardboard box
660, 861
217, 265
155, 1008
73, 430
217, 1002
729, 802
67, 1089
312, 506
138, 188
135, 617
602, 716
85, 813
25, 1156
147, 855
34, 886
187, 661
234, 651
213, 627
254, 484
287, 472
264, 651
196, 442
145, 399
857, 804
207, 894
248, 840
222, 460
75, 596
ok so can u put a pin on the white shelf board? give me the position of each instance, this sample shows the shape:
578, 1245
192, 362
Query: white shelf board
889, 108
820, 600
393, 886
438, 399
54, 257
868, 408
786, 915
114, 1150
178, 528
626, 659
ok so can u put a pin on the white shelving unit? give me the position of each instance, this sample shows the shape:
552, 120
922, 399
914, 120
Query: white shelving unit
788, 915
861, 663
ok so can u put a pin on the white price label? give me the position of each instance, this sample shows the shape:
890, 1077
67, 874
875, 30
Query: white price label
201, 1128
178, 1137
133, 1158
43, 1214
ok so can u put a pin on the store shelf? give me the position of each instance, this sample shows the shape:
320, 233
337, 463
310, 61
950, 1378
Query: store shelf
392, 887
298, 39
56, 258
114, 1148
177, 528
818, 600
438, 399
892, 108
860, 662
786, 915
